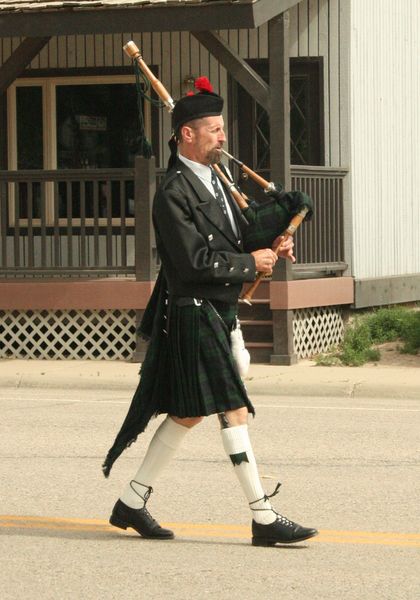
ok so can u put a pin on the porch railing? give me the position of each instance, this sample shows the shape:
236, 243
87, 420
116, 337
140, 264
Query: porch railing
69, 222
320, 242
82, 223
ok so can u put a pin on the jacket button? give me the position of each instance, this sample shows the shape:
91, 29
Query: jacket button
216, 265
231, 269
210, 237
245, 270
227, 284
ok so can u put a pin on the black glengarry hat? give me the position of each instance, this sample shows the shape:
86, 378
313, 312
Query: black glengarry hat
196, 106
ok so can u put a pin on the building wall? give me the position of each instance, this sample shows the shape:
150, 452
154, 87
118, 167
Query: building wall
317, 28
385, 131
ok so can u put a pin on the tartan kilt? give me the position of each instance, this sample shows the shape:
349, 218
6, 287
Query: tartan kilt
188, 370
203, 377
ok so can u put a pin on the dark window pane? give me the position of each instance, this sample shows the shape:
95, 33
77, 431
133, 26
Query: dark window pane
262, 138
29, 127
299, 117
97, 126
306, 130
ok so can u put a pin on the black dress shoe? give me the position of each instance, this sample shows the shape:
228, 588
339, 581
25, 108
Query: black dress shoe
282, 531
139, 519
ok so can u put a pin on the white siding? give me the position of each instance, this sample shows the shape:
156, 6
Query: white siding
385, 132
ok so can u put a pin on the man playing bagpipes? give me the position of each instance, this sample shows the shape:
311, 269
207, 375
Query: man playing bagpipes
208, 248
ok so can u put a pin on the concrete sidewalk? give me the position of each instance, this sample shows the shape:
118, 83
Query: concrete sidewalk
303, 379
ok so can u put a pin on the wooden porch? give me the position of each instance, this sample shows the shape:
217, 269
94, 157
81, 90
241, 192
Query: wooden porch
96, 223
82, 240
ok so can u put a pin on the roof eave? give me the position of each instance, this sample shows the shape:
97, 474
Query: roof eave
136, 19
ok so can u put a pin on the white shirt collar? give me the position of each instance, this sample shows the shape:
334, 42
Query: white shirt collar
202, 171
205, 173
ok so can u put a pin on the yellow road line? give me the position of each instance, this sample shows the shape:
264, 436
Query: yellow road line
211, 530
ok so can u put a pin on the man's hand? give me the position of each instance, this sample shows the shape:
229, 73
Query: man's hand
286, 246
264, 260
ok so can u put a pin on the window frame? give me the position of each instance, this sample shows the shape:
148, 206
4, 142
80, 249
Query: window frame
244, 111
49, 113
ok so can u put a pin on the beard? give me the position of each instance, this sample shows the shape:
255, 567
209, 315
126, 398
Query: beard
213, 156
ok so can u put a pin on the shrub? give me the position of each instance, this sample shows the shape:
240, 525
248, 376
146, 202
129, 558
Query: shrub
383, 325
328, 360
411, 333
387, 324
356, 347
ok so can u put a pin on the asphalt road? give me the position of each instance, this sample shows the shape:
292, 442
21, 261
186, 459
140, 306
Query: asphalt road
349, 467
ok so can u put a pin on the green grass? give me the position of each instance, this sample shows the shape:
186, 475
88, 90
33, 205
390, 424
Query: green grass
411, 333
382, 325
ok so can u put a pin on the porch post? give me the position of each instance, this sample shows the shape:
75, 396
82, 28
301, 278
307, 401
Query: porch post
144, 191
3, 128
278, 48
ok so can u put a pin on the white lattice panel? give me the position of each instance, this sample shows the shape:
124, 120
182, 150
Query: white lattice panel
68, 334
316, 330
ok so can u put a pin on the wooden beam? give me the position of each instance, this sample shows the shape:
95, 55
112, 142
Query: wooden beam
3, 129
279, 77
307, 293
20, 58
264, 11
75, 294
151, 17
144, 191
236, 66
278, 58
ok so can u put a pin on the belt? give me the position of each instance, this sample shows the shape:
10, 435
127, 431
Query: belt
185, 301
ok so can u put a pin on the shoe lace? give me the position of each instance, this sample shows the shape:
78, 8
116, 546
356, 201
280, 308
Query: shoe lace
144, 497
279, 518
284, 521
146, 512
265, 498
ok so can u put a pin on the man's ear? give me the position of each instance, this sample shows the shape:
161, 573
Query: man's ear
186, 134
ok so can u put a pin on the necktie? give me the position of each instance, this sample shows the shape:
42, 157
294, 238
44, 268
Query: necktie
218, 193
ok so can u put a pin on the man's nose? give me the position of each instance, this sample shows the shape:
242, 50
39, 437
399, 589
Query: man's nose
222, 136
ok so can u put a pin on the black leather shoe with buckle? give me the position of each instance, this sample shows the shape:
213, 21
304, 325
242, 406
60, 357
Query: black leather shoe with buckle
140, 520
282, 531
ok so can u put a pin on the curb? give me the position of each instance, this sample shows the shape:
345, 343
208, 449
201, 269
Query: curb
319, 385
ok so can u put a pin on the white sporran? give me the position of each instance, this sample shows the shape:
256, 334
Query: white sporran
240, 354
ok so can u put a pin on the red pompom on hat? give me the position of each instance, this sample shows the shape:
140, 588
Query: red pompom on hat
202, 84
195, 106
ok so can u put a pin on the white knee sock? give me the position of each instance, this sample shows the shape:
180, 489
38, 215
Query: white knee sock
167, 439
238, 447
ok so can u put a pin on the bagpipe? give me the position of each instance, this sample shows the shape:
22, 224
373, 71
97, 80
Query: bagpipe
299, 205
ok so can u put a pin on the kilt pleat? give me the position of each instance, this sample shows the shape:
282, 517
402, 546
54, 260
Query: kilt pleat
183, 338
204, 377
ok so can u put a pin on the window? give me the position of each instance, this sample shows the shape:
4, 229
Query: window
29, 124
96, 125
73, 123
306, 132
306, 135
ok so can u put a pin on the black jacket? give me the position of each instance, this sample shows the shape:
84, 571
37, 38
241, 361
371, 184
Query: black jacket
201, 256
